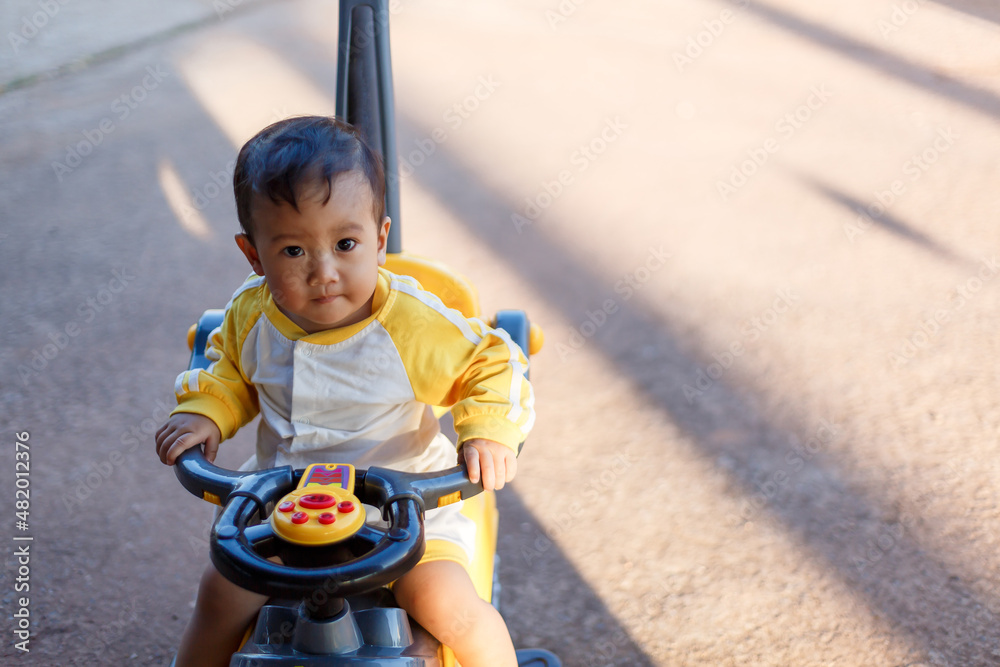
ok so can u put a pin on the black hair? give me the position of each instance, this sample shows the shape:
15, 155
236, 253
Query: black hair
292, 154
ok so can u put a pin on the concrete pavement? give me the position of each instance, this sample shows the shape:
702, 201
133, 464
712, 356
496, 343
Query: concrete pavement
760, 237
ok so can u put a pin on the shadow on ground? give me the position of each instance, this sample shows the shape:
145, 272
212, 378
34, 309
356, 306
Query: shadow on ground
865, 215
930, 81
835, 519
985, 9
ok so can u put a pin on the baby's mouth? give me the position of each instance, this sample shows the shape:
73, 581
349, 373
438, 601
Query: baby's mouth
325, 299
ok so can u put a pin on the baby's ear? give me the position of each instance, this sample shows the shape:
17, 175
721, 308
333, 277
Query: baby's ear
246, 245
383, 239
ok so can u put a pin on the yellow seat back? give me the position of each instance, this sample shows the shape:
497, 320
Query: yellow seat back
452, 288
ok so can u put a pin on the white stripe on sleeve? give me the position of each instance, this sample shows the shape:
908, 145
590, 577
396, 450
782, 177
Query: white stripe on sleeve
179, 383
517, 372
434, 303
193, 380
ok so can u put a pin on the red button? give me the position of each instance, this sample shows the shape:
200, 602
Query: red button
317, 501
346, 506
286, 506
300, 517
326, 518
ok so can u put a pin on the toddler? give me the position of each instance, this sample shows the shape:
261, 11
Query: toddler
343, 359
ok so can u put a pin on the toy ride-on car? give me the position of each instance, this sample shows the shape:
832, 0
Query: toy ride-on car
329, 603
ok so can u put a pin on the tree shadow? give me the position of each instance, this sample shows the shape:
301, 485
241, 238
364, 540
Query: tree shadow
897, 67
543, 596
983, 9
555, 595
867, 214
850, 526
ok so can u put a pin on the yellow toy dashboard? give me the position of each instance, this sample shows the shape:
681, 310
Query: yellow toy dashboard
322, 509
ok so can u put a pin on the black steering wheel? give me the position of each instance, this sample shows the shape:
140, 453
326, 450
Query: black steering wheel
242, 539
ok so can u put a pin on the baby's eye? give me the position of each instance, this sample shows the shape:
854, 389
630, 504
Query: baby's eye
345, 245
293, 251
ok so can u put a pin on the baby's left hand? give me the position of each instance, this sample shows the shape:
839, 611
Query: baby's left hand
495, 463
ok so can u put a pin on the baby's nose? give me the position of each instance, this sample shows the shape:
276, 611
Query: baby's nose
324, 269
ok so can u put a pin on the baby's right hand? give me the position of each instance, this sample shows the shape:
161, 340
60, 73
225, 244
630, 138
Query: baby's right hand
183, 431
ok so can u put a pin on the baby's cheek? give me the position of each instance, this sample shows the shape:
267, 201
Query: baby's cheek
281, 287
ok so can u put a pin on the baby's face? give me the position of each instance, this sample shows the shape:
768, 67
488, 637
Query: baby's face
321, 262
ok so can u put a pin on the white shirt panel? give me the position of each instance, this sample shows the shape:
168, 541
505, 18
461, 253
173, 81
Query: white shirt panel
350, 402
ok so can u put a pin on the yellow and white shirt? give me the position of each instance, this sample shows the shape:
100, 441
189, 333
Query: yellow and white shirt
360, 394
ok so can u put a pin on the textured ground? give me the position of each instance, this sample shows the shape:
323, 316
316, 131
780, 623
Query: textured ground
761, 237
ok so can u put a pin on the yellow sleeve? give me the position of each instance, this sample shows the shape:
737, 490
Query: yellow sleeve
222, 393
463, 364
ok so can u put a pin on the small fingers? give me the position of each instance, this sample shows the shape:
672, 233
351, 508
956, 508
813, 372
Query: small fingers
164, 438
471, 455
499, 471
510, 461
211, 448
506, 468
490, 462
489, 472
181, 444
